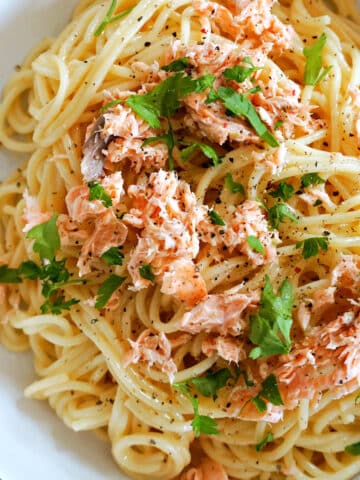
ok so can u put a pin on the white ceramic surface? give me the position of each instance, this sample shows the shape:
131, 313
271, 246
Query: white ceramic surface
34, 443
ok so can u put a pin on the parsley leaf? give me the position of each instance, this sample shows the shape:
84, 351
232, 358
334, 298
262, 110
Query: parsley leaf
233, 186
284, 191
268, 439
110, 19
278, 213
208, 151
107, 289
178, 65
270, 326
164, 99
147, 273
9, 275
311, 179
312, 246
97, 192
109, 105
353, 449
239, 104
278, 124
212, 382
314, 72
240, 73
169, 139
58, 305
204, 424
269, 391
215, 218
113, 256
47, 238
31, 270
200, 423
247, 380
255, 244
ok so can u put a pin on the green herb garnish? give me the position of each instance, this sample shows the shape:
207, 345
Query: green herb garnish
147, 273
255, 244
164, 99
110, 19
178, 65
107, 289
208, 151
269, 391
113, 256
233, 186
278, 213
9, 275
109, 105
240, 105
314, 71
47, 238
270, 326
211, 382
311, 179
268, 439
240, 73
353, 449
170, 141
284, 191
312, 246
97, 192
215, 218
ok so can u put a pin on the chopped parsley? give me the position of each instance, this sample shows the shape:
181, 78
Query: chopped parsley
240, 105
255, 244
278, 124
244, 374
270, 392
240, 73
109, 18
211, 382
268, 439
164, 99
233, 186
215, 218
170, 141
110, 285
283, 190
109, 105
47, 238
178, 65
312, 246
9, 275
147, 273
208, 151
57, 306
353, 449
208, 386
113, 256
53, 273
97, 192
314, 71
278, 213
270, 326
311, 179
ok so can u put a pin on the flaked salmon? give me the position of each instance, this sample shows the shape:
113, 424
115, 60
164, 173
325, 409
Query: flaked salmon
207, 470
166, 212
